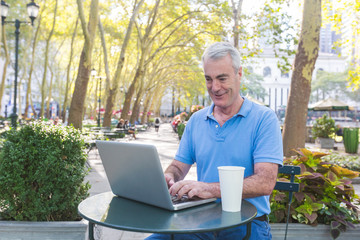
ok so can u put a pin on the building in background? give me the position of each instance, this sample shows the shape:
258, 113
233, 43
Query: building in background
277, 83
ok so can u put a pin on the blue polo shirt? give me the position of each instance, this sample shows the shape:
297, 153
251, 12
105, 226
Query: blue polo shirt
251, 136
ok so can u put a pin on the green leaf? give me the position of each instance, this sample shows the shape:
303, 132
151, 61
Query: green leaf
312, 217
335, 233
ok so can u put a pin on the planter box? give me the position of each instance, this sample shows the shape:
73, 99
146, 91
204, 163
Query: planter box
326, 143
18, 230
355, 180
298, 231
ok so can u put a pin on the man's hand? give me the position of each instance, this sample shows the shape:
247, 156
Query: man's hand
195, 189
176, 171
169, 179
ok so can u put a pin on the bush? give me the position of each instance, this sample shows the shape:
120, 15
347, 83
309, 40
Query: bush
324, 127
326, 194
193, 109
42, 169
180, 130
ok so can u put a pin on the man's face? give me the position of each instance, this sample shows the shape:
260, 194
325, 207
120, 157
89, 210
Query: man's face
222, 83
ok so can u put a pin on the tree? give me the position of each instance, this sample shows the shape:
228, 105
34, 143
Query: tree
6, 63
82, 80
43, 94
344, 19
176, 27
307, 53
113, 89
252, 85
28, 89
236, 15
144, 42
67, 85
333, 84
329, 84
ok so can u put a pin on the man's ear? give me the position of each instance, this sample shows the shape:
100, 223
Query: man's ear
240, 72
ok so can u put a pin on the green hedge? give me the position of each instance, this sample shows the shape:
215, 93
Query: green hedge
42, 170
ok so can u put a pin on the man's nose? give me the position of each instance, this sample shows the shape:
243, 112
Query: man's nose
216, 86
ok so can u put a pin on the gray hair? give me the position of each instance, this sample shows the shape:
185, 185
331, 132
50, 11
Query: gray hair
221, 49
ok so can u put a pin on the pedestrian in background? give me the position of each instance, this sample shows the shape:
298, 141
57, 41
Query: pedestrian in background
157, 124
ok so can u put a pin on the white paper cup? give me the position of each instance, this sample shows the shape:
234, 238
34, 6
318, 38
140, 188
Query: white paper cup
231, 185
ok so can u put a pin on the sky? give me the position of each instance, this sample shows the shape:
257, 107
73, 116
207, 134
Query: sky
294, 8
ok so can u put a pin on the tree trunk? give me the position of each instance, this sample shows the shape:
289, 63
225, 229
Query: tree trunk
65, 104
48, 116
33, 108
6, 63
43, 94
146, 109
136, 107
296, 112
82, 79
28, 89
78, 98
129, 94
236, 16
111, 93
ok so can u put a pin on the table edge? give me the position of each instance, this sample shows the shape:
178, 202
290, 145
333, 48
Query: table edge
143, 230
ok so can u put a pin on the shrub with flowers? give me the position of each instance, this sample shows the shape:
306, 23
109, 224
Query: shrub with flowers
326, 194
183, 116
193, 109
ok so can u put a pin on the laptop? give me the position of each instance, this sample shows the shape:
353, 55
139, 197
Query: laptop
134, 172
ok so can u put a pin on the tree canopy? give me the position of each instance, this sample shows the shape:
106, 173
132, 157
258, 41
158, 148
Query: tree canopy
144, 50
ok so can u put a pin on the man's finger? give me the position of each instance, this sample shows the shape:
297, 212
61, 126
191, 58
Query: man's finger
170, 183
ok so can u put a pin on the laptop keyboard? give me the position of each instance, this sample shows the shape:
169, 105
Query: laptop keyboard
183, 199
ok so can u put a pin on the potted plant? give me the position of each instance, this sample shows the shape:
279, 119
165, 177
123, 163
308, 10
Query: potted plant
324, 130
42, 170
351, 140
326, 197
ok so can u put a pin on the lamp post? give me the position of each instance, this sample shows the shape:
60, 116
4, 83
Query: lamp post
93, 74
33, 10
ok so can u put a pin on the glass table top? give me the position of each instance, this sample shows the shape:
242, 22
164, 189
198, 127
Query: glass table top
108, 210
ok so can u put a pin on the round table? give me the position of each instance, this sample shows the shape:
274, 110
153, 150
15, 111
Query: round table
112, 211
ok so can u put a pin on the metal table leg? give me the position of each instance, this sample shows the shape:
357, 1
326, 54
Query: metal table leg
248, 231
91, 231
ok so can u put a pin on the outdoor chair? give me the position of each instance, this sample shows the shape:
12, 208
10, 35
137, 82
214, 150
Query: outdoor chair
288, 186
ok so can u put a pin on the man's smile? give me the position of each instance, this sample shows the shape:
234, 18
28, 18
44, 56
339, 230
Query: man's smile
219, 94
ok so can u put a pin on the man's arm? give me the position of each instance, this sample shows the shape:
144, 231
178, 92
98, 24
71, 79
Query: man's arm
261, 183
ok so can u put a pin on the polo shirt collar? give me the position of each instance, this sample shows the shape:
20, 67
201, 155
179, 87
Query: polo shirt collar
243, 112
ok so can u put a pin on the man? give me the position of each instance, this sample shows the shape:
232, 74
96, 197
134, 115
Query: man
232, 131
